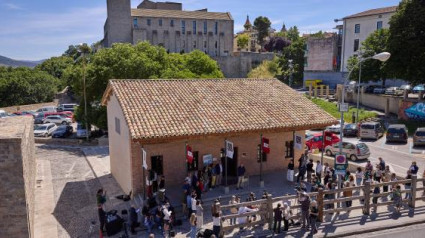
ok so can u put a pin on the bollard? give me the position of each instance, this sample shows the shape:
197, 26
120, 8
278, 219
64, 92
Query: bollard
310, 89
412, 201
321, 90
320, 204
366, 192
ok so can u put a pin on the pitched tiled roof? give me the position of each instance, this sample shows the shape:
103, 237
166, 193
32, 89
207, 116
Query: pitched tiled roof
136, 12
156, 109
373, 12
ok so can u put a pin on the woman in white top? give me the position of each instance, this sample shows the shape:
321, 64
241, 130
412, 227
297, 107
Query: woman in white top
359, 176
199, 215
243, 210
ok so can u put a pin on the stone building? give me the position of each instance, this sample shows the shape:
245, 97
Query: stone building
357, 27
166, 24
321, 52
17, 177
164, 116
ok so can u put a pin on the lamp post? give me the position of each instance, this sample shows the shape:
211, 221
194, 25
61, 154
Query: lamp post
83, 50
384, 56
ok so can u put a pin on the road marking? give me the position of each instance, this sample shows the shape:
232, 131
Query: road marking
389, 149
70, 170
410, 147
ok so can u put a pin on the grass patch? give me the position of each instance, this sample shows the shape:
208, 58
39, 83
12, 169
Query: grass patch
332, 109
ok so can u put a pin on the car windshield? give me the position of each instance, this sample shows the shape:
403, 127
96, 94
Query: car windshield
395, 130
368, 126
40, 128
61, 128
420, 133
350, 126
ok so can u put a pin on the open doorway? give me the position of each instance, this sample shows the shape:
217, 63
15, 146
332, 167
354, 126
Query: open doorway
232, 164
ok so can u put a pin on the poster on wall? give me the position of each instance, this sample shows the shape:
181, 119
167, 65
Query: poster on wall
207, 159
416, 112
229, 149
144, 164
298, 142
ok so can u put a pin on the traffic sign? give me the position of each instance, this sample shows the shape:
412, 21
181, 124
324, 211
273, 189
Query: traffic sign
341, 163
343, 107
340, 159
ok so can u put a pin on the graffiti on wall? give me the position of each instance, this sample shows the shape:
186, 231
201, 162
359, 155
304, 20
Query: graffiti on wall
415, 112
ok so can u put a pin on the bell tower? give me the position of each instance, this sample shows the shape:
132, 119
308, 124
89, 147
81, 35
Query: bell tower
118, 28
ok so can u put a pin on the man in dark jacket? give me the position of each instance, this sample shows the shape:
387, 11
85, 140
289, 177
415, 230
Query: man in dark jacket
277, 218
304, 200
241, 174
133, 220
102, 217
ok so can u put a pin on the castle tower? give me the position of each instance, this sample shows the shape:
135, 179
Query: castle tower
118, 26
247, 24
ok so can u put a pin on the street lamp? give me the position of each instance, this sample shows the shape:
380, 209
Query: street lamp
83, 50
384, 56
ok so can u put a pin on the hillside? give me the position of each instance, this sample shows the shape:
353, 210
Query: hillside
4, 61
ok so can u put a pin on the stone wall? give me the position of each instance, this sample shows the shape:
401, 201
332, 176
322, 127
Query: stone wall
239, 65
29, 107
376, 101
17, 177
321, 53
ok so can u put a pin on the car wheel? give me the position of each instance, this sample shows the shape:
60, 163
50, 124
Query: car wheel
353, 157
64, 123
47, 122
328, 153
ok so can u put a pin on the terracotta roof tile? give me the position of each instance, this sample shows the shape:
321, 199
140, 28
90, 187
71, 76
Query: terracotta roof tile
373, 12
189, 107
137, 12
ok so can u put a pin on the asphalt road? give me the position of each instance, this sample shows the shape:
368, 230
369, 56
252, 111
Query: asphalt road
414, 231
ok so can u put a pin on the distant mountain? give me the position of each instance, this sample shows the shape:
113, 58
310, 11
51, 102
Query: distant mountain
4, 61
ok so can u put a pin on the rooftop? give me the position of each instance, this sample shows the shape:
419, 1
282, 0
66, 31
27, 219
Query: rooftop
135, 12
375, 11
14, 127
181, 108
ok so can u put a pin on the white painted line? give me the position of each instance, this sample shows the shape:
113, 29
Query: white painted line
70, 170
401, 152
410, 147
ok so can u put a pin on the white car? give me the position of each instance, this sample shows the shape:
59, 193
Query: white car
44, 130
57, 120
351, 150
46, 109
334, 128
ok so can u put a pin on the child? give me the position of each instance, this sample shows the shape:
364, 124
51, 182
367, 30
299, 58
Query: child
397, 198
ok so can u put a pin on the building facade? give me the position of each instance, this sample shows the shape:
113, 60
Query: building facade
17, 177
357, 27
167, 25
321, 52
163, 117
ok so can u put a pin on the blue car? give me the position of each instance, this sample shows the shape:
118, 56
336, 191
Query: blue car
418, 88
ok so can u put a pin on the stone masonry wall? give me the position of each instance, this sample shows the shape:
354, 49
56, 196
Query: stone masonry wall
240, 63
17, 177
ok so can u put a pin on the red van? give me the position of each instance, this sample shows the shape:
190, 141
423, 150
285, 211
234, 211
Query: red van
314, 141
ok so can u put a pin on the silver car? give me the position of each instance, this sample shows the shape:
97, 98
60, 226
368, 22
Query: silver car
351, 150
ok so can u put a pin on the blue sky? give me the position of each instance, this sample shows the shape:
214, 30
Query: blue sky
39, 29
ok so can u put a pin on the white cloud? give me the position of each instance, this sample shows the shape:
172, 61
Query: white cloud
12, 6
238, 27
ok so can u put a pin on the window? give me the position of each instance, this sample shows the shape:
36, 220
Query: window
305, 61
216, 44
194, 27
379, 25
157, 165
205, 27
289, 149
172, 23
194, 44
160, 22
216, 28
356, 45
183, 27
357, 28
205, 44
117, 126
149, 22
135, 23
194, 165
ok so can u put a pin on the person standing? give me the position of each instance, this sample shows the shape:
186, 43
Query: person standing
189, 204
347, 194
376, 191
286, 214
241, 174
290, 172
359, 176
216, 224
193, 225
133, 220
218, 171
369, 167
161, 182
397, 198
414, 168
304, 200
377, 175
277, 218
407, 186
386, 176
310, 170
101, 197
314, 212
199, 215
102, 217
381, 163
319, 169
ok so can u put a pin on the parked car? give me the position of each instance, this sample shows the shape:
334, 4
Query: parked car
46, 109
393, 91
334, 128
81, 131
70, 107
62, 131
57, 119
3, 114
350, 130
419, 136
25, 113
44, 130
353, 151
370, 88
417, 88
397, 132
371, 130
379, 90
315, 141
406, 87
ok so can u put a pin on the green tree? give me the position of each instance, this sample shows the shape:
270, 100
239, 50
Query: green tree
372, 70
406, 41
262, 25
295, 52
19, 86
141, 61
242, 41
56, 66
267, 69
293, 34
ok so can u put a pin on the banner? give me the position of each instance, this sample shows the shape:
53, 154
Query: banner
189, 154
144, 164
298, 142
265, 145
229, 149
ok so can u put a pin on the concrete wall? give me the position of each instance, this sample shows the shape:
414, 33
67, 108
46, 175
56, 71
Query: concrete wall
321, 53
173, 39
328, 78
119, 146
367, 26
239, 65
376, 101
17, 177
174, 160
